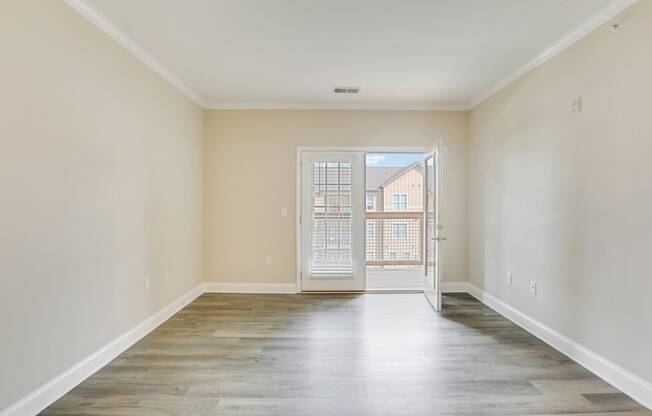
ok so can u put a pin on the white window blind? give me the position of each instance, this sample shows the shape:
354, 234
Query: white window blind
331, 219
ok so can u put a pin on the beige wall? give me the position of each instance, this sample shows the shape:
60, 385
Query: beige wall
103, 166
100, 172
250, 174
565, 198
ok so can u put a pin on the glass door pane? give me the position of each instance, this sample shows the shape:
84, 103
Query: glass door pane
332, 221
432, 279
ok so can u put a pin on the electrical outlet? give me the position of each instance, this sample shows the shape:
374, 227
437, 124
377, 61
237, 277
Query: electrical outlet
533, 287
268, 260
166, 276
509, 278
146, 284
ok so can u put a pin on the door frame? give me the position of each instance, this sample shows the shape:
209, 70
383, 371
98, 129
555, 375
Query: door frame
432, 294
365, 149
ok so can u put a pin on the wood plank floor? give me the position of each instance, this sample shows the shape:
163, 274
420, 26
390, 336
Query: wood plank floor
372, 354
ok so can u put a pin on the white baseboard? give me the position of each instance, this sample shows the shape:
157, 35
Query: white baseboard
627, 382
278, 288
632, 385
285, 288
48, 393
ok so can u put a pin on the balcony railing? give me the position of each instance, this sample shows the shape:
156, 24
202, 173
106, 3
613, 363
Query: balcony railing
394, 238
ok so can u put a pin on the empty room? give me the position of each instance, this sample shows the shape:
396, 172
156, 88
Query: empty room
325, 207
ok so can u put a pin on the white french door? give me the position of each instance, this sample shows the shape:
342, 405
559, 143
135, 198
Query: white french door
434, 238
332, 221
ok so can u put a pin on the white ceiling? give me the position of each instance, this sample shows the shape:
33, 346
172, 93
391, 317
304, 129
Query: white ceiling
290, 53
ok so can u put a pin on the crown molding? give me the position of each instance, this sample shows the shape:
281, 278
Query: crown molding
104, 24
570, 38
283, 105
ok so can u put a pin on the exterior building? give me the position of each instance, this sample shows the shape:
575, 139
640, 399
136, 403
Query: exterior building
394, 205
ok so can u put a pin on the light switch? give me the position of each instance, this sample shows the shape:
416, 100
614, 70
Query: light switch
284, 212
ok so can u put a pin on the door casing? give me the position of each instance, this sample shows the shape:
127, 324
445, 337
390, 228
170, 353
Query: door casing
298, 195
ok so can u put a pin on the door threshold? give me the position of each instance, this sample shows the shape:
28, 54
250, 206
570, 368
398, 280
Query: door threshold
359, 292
332, 292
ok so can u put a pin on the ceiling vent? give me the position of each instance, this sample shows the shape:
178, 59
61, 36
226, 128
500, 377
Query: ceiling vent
346, 90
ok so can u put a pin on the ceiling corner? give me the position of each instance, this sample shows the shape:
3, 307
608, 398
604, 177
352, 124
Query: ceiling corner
105, 25
567, 40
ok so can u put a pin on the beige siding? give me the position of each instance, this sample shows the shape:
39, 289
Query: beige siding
398, 240
411, 184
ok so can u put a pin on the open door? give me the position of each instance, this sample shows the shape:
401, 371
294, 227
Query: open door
332, 221
433, 228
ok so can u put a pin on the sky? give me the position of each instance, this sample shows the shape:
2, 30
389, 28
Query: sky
393, 159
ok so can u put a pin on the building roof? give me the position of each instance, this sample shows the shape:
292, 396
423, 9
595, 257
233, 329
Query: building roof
378, 177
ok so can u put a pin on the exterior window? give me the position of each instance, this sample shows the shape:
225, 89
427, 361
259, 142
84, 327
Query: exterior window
370, 201
370, 230
406, 255
399, 202
400, 231
392, 256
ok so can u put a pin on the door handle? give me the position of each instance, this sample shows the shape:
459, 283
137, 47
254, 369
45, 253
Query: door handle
439, 238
